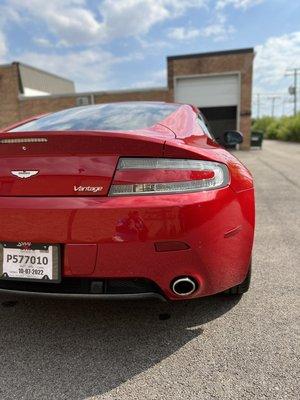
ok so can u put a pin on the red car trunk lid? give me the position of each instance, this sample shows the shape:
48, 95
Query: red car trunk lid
66, 163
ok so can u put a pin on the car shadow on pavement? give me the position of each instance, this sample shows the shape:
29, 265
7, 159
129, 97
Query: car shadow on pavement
71, 349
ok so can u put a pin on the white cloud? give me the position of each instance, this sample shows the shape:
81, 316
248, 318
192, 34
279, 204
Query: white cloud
72, 22
4, 15
182, 33
3, 47
155, 79
237, 3
42, 42
8, 13
218, 30
7, 16
90, 69
151, 45
272, 60
136, 17
69, 20
132, 17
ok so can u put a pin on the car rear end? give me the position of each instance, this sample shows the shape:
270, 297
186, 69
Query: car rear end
120, 215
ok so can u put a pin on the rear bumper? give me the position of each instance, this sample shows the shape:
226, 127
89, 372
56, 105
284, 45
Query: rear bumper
127, 296
103, 238
86, 288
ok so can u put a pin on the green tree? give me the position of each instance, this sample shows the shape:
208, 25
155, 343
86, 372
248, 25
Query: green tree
283, 128
261, 124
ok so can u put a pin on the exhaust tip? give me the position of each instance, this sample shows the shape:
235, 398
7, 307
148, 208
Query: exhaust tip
184, 286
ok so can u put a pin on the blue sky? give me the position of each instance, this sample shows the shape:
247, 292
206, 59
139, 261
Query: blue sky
113, 44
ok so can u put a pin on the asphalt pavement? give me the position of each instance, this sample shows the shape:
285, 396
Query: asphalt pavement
213, 348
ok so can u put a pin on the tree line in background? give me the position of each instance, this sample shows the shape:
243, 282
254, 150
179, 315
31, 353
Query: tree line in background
281, 128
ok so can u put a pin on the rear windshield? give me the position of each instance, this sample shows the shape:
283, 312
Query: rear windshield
109, 117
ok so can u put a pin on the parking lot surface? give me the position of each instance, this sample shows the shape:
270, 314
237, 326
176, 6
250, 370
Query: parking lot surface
213, 348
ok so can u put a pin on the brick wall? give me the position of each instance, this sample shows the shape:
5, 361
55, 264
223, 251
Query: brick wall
145, 95
34, 106
9, 92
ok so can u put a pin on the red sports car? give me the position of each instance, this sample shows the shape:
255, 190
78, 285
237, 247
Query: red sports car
133, 199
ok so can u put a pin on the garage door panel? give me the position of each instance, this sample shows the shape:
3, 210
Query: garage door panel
208, 91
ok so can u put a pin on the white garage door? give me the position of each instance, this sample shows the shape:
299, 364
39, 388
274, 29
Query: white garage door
208, 91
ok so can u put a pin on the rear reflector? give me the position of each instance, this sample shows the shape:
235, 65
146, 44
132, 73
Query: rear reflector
141, 176
171, 246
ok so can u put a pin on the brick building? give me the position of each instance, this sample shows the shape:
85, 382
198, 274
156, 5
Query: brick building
220, 83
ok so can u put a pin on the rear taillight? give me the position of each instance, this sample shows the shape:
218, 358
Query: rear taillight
140, 176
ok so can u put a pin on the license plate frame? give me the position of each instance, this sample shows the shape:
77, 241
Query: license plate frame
34, 249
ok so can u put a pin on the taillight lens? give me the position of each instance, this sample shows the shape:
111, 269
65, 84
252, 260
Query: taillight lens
140, 176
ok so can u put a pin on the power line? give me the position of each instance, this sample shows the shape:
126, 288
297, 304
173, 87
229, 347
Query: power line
261, 101
283, 94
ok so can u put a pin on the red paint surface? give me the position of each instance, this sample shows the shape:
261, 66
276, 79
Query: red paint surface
120, 233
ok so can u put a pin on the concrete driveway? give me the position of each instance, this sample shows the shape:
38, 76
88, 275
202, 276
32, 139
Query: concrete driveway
213, 348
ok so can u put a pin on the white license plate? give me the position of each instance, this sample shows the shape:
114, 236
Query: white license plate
29, 261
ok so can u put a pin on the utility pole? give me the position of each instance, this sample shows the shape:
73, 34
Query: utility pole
293, 89
284, 101
258, 105
273, 99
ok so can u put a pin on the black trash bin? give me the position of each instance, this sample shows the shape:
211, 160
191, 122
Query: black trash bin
257, 139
